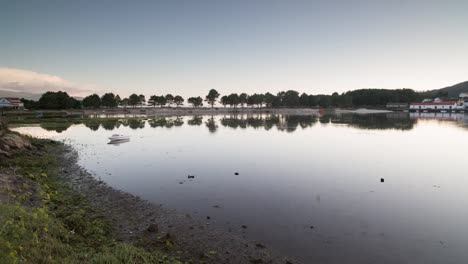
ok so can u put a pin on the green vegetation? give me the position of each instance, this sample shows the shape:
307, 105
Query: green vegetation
53, 100
92, 101
375, 98
212, 97
195, 101
43, 221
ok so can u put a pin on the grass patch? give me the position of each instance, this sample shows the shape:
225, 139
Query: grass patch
63, 227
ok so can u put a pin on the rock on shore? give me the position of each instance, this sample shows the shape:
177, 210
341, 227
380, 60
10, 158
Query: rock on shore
10, 141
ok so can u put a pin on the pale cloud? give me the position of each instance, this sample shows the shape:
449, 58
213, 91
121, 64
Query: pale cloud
18, 80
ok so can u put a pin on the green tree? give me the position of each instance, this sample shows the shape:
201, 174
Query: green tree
134, 100
224, 100
30, 104
304, 100
233, 100
92, 101
169, 99
108, 100
153, 100
243, 99
56, 100
269, 99
142, 99
256, 99
312, 100
161, 100
178, 100
124, 102
291, 98
195, 101
212, 97
324, 101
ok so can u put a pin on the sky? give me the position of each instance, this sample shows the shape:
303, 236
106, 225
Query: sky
187, 47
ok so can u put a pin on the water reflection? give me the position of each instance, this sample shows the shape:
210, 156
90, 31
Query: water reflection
397, 120
298, 172
167, 122
118, 142
211, 124
287, 123
195, 121
57, 127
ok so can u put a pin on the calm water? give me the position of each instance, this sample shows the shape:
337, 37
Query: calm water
296, 172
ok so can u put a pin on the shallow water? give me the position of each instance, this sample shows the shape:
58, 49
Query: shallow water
308, 187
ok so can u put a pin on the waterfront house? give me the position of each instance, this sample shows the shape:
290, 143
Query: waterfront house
443, 106
11, 103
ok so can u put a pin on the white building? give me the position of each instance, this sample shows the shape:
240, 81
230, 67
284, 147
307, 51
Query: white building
437, 106
11, 103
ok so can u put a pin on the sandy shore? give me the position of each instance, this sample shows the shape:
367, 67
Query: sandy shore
139, 220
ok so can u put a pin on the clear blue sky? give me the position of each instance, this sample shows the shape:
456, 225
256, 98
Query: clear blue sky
188, 47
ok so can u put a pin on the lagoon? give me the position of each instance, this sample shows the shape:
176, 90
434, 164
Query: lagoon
309, 187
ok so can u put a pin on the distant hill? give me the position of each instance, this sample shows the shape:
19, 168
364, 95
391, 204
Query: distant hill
26, 95
452, 91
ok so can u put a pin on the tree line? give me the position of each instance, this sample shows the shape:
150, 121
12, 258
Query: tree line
290, 98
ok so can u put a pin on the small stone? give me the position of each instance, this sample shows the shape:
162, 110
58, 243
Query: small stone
382, 180
312, 227
208, 217
153, 228
236, 173
191, 176
244, 226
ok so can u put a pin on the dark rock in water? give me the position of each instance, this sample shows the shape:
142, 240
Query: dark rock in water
382, 180
191, 176
216, 206
208, 217
181, 183
153, 228
236, 173
244, 226
312, 227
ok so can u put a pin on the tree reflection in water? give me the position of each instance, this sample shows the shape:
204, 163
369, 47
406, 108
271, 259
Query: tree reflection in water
287, 123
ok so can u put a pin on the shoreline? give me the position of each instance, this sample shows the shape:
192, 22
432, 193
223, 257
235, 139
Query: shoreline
186, 111
136, 219
42, 177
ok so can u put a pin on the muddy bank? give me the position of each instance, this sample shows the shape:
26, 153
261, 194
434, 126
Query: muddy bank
150, 225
